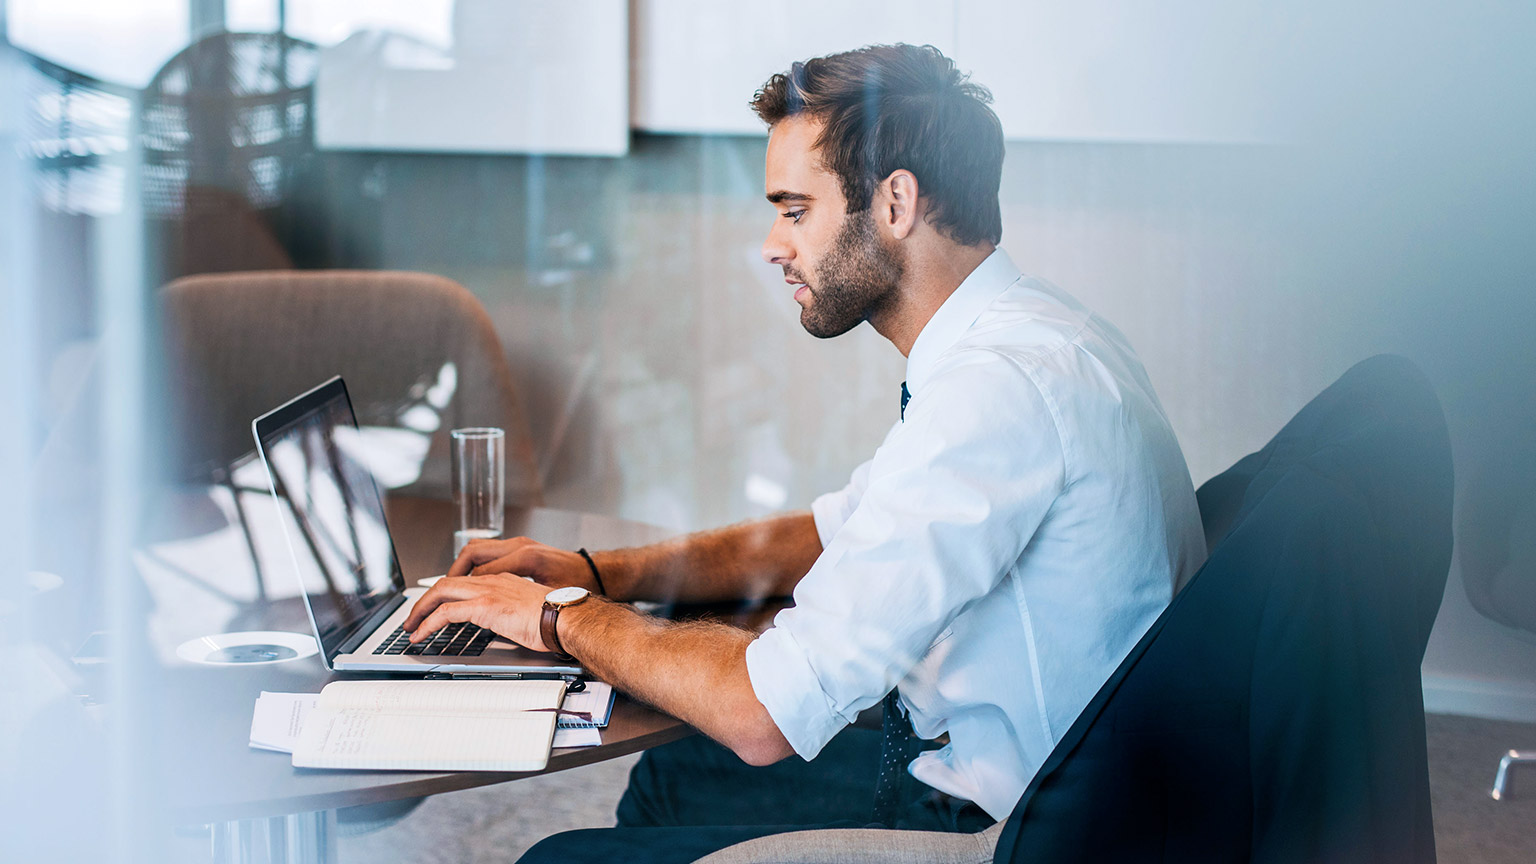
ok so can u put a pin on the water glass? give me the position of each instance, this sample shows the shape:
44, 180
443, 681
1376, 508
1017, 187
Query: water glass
479, 483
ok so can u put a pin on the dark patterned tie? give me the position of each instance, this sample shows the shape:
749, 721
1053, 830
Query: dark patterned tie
899, 745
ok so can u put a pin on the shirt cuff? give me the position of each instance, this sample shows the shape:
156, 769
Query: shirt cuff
829, 511
783, 680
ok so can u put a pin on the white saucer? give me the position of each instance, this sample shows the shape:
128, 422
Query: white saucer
250, 648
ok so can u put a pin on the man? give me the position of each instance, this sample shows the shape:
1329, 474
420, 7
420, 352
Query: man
1023, 523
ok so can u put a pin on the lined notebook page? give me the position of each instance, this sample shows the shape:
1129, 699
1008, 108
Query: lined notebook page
455, 698
519, 741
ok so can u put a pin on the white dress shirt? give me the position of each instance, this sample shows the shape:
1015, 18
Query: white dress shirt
1008, 543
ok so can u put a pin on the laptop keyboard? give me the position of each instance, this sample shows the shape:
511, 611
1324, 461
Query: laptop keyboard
454, 640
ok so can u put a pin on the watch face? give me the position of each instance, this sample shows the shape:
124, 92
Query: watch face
565, 596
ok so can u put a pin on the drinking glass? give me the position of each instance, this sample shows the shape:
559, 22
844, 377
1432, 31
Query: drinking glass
479, 483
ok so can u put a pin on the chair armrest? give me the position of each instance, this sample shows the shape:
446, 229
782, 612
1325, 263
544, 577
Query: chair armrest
862, 846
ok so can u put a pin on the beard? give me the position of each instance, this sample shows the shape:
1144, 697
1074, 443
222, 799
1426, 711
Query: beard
858, 278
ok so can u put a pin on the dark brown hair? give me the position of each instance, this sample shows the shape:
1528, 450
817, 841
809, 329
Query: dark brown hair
888, 107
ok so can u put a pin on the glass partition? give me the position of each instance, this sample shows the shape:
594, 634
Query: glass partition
555, 213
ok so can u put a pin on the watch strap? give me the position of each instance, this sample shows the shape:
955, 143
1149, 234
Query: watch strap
549, 630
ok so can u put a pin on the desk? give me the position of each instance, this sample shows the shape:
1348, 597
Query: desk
264, 809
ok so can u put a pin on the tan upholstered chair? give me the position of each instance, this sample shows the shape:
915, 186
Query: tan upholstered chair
418, 353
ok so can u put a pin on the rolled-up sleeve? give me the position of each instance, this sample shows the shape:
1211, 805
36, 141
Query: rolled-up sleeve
946, 507
832, 510
786, 684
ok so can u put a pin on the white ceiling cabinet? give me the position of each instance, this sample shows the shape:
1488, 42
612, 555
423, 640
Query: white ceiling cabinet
533, 76
1106, 70
1121, 70
696, 63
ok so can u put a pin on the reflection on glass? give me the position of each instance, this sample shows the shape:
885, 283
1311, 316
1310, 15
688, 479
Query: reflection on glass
337, 533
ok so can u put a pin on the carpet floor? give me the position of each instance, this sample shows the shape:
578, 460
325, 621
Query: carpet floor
1471, 827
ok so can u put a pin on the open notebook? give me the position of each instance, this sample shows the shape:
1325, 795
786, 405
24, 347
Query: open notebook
431, 725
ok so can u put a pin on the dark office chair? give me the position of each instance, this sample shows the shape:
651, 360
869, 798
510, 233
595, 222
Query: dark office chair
1274, 712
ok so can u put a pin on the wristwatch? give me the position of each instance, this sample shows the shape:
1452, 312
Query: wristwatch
554, 601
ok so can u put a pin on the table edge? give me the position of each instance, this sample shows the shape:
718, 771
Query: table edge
417, 784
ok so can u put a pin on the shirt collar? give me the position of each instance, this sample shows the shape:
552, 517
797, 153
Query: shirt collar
956, 315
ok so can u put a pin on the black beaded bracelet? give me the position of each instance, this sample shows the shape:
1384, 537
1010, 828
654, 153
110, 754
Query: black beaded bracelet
596, 576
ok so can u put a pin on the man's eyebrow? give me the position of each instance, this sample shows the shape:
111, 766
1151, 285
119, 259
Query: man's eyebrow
782, 197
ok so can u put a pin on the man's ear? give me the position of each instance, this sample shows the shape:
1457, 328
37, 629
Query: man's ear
900, 208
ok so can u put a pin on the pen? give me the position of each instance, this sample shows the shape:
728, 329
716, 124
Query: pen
573, 683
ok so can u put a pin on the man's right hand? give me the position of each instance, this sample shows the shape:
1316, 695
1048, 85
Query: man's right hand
547, 565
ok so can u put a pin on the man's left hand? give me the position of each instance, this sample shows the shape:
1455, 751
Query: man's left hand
508, 605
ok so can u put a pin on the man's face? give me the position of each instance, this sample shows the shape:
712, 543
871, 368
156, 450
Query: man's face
842, 270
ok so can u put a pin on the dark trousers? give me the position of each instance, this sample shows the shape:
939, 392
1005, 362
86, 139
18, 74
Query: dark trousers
693, 797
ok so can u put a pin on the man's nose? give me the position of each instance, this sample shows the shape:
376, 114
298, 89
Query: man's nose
775, 250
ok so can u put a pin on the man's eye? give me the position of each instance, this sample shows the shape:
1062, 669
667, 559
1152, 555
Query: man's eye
795, 215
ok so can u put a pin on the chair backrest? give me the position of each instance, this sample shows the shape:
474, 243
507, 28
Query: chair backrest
418, 353
1274, 712
226, 151
232, 111
1496, 522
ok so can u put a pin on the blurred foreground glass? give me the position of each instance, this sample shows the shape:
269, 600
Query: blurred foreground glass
479, 483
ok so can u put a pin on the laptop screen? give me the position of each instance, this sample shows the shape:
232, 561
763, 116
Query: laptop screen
331, 511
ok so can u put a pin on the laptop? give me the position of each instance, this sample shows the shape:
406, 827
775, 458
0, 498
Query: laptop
333, 519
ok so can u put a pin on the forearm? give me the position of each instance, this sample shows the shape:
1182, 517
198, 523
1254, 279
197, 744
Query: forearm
695, 671
751, 560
